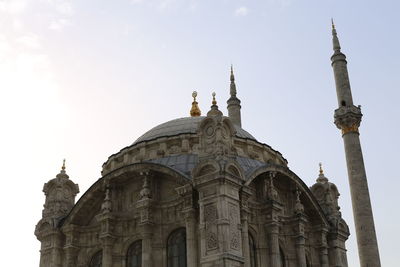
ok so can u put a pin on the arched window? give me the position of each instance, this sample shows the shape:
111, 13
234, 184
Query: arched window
134, 255
176, 248
253, 253
97, 259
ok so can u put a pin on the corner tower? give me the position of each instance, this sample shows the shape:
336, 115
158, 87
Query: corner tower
348, 119
60, 198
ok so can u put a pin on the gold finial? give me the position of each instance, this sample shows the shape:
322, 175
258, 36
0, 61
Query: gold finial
333, 24
195, 110
214, 102
63, 166
321, 171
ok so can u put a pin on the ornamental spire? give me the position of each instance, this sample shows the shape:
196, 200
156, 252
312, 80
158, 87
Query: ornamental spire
335, 39
321, 177
63, 173
234, 103
63, 166
195, 110
214, 108
233, 85
214, 101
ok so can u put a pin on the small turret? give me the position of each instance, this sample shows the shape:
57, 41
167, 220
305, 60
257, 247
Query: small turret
327, 195
60, 195
234, 103
60, 198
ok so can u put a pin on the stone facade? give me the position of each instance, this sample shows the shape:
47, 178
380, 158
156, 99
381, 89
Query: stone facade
237, 189
196, 192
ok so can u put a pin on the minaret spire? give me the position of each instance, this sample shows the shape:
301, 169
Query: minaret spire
233, 85
348, 119
234, 103
335, 39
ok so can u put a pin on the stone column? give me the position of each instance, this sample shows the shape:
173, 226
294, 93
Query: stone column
335, 256
323, 249
300, 221
244, 196
301, 241
147, 248
272, 230
245, 241
144, 206
56, 251
106, 236
272, 226
70, 256
70, 248
190, 213
300, 251
263, 248
107, 251
191, 238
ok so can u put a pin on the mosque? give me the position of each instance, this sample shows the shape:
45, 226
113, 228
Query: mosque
201, 191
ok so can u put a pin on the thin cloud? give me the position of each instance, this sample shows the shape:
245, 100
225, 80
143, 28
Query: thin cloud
13, 6
136, 2
30, 41
59, 24
241, 11
64, 7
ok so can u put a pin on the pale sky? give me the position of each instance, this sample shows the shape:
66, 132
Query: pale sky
82, 79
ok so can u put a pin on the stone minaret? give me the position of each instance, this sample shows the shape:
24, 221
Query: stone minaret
348, 119
234, 103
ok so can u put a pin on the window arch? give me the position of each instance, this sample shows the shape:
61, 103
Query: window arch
97, 259
176, 248
134, 255
253, 253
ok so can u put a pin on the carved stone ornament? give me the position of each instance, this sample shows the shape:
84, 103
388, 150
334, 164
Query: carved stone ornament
106, 206
210, 219
234, 221
348, 119
60, 196
216, 136
272, 193
298, 207
145, 193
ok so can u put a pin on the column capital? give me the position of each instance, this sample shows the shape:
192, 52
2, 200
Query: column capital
348, 118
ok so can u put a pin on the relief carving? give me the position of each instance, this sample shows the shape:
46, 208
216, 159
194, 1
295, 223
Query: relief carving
210, 218
234, 221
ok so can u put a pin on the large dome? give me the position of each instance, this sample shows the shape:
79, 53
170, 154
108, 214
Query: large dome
187, 125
